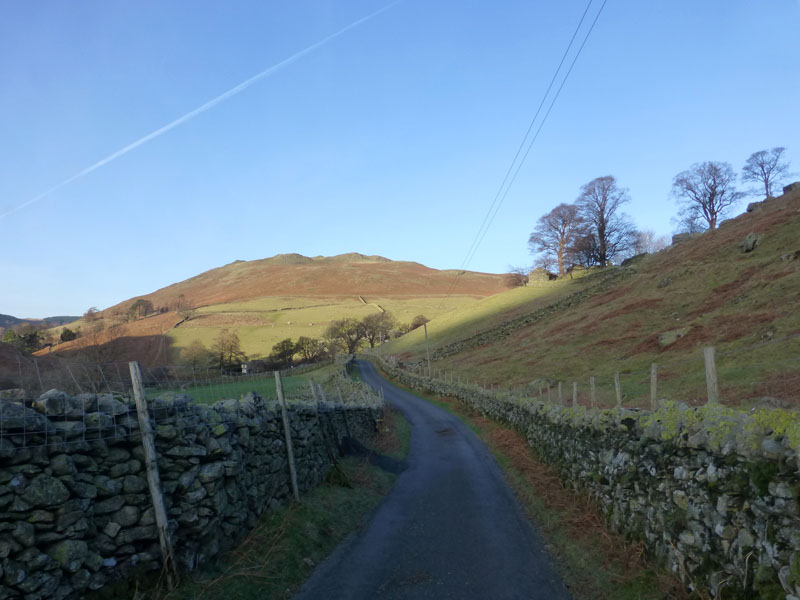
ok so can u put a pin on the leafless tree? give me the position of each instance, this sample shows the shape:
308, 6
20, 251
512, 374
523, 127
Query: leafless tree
516, 276
609, 232
705, 192
556, 232
346, 334
377, 327
648, 242
766, 168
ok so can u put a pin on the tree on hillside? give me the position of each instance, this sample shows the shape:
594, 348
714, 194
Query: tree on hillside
283, 352
140, 309
67, 335
418, 321
227, 350
556, 233
516, 277
196, 355
377, 327
25, 338
346, 334
705, 192
648, 242
311, 349
609, 233
766, 168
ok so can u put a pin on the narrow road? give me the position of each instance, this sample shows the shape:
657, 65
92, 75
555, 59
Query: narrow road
450, 528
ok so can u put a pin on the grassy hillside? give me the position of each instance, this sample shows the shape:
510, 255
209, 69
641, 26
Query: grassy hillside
704, 292
286, 296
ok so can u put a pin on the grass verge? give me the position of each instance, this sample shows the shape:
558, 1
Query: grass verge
280, 553
594, 562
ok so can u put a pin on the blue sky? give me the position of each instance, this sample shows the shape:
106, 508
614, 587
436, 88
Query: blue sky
389, 139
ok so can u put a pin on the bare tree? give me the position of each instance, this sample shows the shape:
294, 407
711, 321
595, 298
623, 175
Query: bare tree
766, 168
556, 232
516, 276
346, 334
609, 232
377, 327
648, 242
705, 192
227, 349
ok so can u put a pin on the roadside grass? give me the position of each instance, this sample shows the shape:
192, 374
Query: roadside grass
263, 383
594, 562
280, 553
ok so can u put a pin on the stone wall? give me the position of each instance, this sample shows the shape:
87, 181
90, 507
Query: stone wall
711, 492
75, 508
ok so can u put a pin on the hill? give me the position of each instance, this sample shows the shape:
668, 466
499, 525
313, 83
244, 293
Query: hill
7, 321
287, 295
661, 308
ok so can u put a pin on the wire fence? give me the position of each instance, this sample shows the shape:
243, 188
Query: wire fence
74, 403
33, 377
765, 374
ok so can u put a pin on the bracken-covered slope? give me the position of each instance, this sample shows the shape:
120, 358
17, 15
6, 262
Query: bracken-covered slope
662, 308
293, 275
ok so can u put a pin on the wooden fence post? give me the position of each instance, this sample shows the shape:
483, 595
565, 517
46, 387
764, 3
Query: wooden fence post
653, 387
548, 393
153, 478
560, 397
428, 351
618, 389
574, 394
712, 384
287, 435
593, 393
313, 390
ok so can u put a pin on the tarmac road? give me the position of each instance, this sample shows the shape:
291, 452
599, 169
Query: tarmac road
450, 528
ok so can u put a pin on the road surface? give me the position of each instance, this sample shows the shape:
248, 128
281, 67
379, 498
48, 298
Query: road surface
450, 528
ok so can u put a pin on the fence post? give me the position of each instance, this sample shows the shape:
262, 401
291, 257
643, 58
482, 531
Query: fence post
618, 389
712, 385
313, 391
428, 351
593, 393
548, 394
653, 387
287, 435
560, 397
574, 394
153, 478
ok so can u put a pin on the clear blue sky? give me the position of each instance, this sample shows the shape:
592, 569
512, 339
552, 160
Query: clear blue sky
390, 139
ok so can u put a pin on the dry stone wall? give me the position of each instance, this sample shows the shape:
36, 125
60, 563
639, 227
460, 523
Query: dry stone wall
711, 492
75, 507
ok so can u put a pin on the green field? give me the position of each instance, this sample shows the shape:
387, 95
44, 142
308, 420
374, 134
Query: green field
210, 391
262, 323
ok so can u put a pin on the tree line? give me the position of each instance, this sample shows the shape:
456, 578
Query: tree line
347, 336
594, 231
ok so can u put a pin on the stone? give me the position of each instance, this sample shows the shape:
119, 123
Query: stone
110, 405
681, 238
670, 337
750, 242
24, 533
69, 554
211, 472
112, 529
126, 516
754, 206
45, 490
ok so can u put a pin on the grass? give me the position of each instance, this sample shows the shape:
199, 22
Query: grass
261, 383
280, 553
739, 303
594, 562
263, 322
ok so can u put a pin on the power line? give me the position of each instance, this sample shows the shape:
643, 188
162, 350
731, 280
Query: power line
536, 135
506, 184
528, 131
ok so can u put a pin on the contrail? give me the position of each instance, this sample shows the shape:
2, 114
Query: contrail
202, 108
